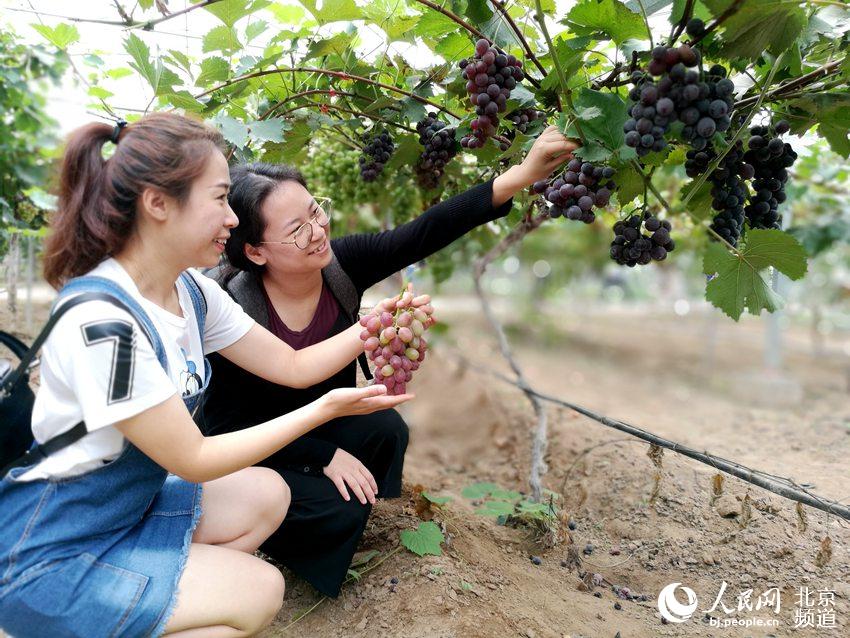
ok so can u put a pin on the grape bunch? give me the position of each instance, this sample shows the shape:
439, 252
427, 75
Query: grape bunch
729, 188
440, 147
575, 192
770, 158
522, 118
632, 247
703, 106
393, 338
490, 77
376, 153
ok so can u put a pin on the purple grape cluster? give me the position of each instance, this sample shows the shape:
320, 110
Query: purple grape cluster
728, 187
632, 247
522, 118
440, 147
771, 158
575, 192
703, 106
376, 153
490, 77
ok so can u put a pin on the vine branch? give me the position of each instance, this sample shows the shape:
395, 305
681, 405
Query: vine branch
780, 485
522, 41
338, 74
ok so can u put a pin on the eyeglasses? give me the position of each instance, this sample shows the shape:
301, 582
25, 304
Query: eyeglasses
303, 235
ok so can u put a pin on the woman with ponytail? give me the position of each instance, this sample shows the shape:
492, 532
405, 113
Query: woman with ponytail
137, 524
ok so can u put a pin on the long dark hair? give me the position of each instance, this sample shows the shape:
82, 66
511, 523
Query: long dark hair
97, 198
250, 185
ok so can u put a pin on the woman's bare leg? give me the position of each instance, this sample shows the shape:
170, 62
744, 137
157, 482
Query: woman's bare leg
225, 591
241, 510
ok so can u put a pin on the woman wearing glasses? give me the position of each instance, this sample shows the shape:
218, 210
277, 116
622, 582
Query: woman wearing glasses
291, 277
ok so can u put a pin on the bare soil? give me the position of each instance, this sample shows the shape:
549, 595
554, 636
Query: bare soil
654, 371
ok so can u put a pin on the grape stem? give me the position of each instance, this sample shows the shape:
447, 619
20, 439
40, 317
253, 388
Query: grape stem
541, 19
351, 111
686, 15
522, 41
337, 74
732, 10
646, 22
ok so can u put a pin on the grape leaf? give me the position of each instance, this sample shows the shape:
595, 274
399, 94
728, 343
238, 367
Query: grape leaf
336, 44
221, 38
426, 539
495, 508
738, 282
333, 10
229, 11
61, 36
760, 25
610, 17
184, 100
213, 69
629, 184
436, 500
604, 133
270, 130
233, 130
407, 151
479, 490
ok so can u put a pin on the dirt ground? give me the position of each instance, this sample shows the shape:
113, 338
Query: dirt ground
651, 371
654, 371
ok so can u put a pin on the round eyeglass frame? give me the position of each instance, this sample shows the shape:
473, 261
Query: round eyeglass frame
325, 207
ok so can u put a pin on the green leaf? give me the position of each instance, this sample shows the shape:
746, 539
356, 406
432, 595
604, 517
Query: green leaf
270, 130
608, 17
479, 490
453, 46
184, 100
762, 25
436, 500
333, 10
255, 28
229, 11
495, 508
425, 540
213, 69
478, 11
604, 133
221, 38
629, 185
119, 72
233, 130
431, 24
287, 13
337, 44
738, 283
141, 55
61, 36
100, 93
407, 151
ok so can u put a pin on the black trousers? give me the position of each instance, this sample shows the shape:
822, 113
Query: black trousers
320, 533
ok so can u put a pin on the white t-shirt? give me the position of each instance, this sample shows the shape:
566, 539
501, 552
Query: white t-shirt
98, 366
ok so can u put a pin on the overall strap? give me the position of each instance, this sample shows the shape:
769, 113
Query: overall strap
39, 452
199, 302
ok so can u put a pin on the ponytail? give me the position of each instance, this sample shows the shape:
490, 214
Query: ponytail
97, 198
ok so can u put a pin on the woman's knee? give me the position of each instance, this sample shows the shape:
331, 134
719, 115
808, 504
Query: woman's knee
273, 586
277, 497
391, 428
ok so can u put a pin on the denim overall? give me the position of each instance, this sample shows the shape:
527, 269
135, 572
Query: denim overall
99, 554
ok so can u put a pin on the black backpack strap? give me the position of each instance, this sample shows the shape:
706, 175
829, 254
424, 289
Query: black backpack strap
346, 293
39, 452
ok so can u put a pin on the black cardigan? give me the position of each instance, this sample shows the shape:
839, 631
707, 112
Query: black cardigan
237, 399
